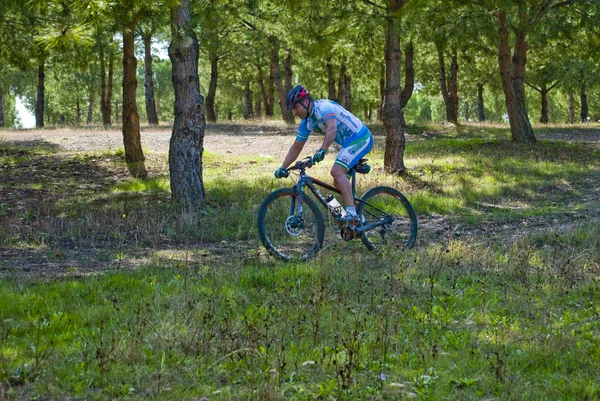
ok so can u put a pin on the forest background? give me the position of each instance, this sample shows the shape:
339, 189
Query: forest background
125, 277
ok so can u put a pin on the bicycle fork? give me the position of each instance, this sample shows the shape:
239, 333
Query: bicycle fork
294, 224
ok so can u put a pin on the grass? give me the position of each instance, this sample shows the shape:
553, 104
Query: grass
512, 314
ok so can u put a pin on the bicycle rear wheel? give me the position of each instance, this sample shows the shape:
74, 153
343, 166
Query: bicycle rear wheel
285, 233
394, 218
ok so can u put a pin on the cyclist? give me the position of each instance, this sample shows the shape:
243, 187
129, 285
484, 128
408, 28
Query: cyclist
339, 125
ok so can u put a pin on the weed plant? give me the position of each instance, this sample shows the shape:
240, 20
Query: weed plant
512, 314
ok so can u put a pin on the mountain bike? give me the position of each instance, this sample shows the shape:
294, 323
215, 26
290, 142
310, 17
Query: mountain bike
291, 226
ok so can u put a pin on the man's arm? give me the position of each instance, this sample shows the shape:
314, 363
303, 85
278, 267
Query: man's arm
330, 133
293, 153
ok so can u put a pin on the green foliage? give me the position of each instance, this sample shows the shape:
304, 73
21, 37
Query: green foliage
509, 314
460, 321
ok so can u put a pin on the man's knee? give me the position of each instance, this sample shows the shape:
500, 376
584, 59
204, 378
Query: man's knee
337, 171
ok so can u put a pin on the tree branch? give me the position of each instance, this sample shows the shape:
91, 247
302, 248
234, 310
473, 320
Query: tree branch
249, 25
553, 85
533, 87
369, 2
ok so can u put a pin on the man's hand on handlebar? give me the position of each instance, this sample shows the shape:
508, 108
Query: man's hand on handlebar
281, 172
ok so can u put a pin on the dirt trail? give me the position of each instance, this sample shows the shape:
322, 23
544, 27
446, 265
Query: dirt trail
236, 139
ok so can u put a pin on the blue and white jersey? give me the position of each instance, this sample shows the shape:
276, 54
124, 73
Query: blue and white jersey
323, 111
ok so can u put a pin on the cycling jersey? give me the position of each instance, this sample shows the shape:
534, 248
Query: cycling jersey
323, 111
352, 134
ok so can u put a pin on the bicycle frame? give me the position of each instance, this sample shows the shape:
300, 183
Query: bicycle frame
306, 181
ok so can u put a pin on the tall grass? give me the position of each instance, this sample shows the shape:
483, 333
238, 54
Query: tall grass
509, 315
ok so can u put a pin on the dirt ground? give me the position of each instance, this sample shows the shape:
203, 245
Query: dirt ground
242, 139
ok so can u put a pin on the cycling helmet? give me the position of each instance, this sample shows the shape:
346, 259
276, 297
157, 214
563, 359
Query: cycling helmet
298, 93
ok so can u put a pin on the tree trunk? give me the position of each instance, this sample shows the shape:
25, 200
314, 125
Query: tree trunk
248, 102
288, 116
109, 88
1, 108
211, 115
341, 94
330, 80
480, 106
39, 103
454, 87
571, 107
449, 85
544, 92
271, 90
393, 115
90, 113
288, 73
257, 108
149, 82
187, 139
348, 93
78, 112
263, 93
583, 100
512, 75
381, 93
134, 156
106, 89
409, 76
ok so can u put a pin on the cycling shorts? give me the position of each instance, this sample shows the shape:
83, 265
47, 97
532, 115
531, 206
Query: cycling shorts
355, 148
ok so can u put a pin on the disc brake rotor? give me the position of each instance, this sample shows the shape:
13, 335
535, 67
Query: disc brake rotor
292, 226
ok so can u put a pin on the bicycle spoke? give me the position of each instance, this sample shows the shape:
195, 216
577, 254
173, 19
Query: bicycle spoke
393, 220
290, 236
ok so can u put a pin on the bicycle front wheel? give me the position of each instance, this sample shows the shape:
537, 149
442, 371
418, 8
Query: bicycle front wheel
287, 231
392, 217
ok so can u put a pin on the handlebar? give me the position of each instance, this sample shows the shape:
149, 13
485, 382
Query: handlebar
302, 164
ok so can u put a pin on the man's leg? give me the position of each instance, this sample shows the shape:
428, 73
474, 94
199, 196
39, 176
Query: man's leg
341, 182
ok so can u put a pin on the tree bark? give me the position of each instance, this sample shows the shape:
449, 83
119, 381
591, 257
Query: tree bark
109, 88
480, 104
211, 115
571, 107
454, 87
381, 93
187, 139
78, 112
341, 94
263, 93
393, 115
583, 100
330, 80
348, 93
449, 85
512, 75
90, 113
271, 90
248, 102
409, 77
106, 89
149, 82
544, 92
134, 156
288, 117
1, 108
39, 103
288, 72
257, 108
